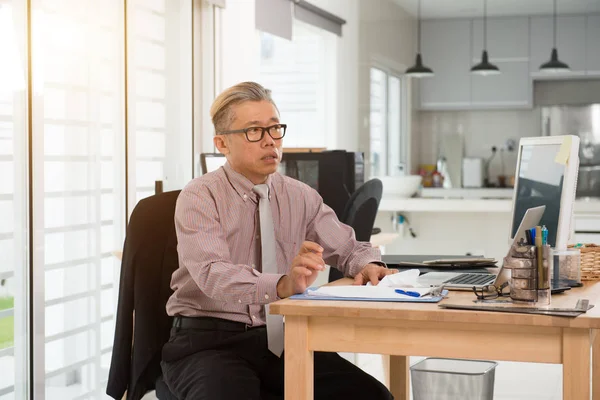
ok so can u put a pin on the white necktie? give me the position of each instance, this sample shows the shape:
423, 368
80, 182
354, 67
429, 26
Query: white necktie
269, 266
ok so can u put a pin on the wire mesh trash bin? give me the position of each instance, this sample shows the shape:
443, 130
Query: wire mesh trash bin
452, 379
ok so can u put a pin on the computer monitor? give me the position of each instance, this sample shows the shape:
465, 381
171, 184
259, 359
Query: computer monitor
210, 162
546, 175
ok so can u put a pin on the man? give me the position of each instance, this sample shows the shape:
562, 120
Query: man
248, 236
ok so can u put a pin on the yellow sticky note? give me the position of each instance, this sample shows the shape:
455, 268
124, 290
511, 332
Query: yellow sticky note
562, 157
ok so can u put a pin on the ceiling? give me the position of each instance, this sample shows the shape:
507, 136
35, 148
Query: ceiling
474, 8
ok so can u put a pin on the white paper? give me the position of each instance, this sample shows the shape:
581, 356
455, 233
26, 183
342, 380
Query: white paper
365, 292
404, 279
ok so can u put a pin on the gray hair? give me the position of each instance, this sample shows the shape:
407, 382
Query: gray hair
221, 111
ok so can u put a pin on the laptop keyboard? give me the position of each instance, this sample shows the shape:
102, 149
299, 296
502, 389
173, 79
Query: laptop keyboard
471, 279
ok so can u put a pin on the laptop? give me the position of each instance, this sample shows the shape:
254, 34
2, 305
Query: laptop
466, 280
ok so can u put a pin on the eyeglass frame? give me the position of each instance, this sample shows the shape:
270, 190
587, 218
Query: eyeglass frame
262, 134
497, 291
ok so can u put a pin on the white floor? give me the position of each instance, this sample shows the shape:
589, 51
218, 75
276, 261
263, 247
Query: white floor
513, 381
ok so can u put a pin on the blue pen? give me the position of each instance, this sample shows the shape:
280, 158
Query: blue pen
408, 293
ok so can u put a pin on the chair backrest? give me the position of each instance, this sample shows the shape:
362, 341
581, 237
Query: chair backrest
360, 213
149, 259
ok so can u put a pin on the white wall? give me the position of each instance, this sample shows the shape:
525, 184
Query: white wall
240, 45
387, 41
345, 135
481, 130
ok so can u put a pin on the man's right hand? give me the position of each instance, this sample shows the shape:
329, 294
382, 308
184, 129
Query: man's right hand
305, 268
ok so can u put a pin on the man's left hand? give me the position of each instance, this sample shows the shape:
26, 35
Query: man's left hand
372, 273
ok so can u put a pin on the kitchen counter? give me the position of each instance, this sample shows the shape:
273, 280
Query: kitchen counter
467, 193
457, 226
420, 204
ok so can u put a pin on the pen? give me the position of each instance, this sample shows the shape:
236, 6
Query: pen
541, 275
529, 237
408, 293
544, 235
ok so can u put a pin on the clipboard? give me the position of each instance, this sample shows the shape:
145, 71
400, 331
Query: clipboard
427, 299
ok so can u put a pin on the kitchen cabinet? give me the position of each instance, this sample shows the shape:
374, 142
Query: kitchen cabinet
452, 47
517, 45
511, 88
510, 53
592, 44
586, 228
504, 39
587, 223
446, 48
570, 43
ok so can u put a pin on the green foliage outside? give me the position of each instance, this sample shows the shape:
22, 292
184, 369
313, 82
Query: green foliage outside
7, 325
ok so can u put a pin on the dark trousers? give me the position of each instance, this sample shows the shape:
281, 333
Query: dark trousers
216, 364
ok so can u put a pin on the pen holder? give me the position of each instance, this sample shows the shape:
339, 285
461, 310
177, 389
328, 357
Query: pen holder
523, 278
530, 280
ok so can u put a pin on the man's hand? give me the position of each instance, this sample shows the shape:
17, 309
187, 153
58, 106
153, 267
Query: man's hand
305, 268
373, 273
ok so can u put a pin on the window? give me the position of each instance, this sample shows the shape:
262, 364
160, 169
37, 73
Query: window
298, 72
160, 96
78, 191
14, 249
78, 179
389, 142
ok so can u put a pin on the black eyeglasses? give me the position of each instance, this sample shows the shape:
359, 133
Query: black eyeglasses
490, 292
257, 133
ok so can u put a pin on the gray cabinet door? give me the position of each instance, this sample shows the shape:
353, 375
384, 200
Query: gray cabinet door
592, 44
511, 88
571, 33
505, 38
446, 48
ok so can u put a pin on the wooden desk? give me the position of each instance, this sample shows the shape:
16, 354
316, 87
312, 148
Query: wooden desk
421, 329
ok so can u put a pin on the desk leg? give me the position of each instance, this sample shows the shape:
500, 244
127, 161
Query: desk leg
576, 365
399, 377
595, 364
299, 369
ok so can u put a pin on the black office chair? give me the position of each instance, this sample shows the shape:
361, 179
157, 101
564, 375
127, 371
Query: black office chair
359, 213
149, 259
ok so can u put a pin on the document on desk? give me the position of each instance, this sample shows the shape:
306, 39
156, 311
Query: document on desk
369, 293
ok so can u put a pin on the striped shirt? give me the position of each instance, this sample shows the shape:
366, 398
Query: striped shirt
217, 225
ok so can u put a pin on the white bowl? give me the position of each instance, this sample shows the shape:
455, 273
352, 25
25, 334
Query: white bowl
400, 186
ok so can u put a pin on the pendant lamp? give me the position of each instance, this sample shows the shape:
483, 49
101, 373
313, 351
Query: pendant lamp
554, 65
485, 67
419, 70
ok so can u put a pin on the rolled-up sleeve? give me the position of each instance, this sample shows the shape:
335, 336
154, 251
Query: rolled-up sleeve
204, 252
340, 247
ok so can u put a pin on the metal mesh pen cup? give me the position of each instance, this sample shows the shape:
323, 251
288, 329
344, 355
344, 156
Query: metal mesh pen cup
453, 379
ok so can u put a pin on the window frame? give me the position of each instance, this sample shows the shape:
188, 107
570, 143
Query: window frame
405, 142
326, 85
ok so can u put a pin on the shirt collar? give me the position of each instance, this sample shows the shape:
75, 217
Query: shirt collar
243, 186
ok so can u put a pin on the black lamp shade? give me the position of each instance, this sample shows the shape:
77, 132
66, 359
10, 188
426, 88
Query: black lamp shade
485, 67
419, 70
554, 65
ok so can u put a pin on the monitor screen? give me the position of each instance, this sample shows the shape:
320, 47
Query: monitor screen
540, 182
211, 162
